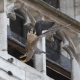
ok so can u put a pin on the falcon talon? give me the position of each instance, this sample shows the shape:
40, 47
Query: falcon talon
23, 56
23, 61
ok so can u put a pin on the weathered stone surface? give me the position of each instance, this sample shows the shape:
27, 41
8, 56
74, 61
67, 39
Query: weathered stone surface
1, 78
20, 70
75, 70
3, 31
5, 76
1, 5
17, 72
6, 56
3, 25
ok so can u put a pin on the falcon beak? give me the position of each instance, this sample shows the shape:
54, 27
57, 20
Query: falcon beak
32, 29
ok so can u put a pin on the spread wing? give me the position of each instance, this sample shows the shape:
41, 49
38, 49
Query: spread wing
47, 24
51, 32
42, 25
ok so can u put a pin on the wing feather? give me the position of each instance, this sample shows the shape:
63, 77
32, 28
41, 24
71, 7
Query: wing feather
51, 32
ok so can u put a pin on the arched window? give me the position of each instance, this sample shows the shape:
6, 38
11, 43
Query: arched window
17, 25
54, 3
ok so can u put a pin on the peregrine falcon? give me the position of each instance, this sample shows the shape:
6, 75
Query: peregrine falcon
32, 39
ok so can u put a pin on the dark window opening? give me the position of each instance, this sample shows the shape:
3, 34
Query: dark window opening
54, 3
54, 48
18, 27
55, 75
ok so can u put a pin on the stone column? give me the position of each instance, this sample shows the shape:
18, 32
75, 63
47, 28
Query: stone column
8, 21
75, 73
40, 59
3, 25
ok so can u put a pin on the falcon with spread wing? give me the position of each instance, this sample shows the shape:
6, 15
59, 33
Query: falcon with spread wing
32, 39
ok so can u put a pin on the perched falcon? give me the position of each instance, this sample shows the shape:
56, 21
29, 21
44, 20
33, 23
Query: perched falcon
32, 39
31, 46
42, 25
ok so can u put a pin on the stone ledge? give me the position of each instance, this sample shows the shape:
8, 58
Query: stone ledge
19, 69
5, 76
16, 71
